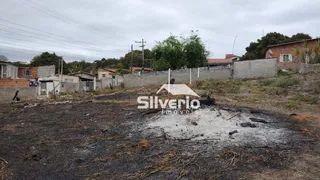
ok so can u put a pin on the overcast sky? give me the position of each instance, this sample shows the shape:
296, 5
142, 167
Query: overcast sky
90, 30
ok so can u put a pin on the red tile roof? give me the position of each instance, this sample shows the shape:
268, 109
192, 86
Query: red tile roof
219, 61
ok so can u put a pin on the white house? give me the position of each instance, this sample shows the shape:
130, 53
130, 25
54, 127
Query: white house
8, 70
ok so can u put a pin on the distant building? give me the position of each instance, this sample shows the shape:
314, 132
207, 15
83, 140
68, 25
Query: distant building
8, 70
228, 60
36, 72
28, 72
107, 73
84, 76
286, 52
137, 69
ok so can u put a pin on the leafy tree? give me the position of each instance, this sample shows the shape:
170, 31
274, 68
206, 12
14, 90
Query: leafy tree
171, 52
21, 64
299, 37
195, 51
257, 50
77, 66
176, 53
103, 63
3, 58
137, 59
46, 58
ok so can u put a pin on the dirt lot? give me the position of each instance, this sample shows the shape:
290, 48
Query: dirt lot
101, 137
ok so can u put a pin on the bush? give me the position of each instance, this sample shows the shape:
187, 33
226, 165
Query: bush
306, 98
285, 82
292, 104
204, 94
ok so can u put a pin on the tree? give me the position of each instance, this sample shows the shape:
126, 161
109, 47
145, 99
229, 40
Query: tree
21, 64
137, 59
176, 53
46, 58
257, 50
299, 37
77, 66
195, 51
3, 58
170, 51
103, 63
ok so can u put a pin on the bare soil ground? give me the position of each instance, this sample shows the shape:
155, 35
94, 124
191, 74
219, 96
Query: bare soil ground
96, 137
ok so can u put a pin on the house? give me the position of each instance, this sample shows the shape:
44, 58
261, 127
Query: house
87, 81
107, 73
286, 52
84, 76
28, 72
8, 70
57, 84
219, 62
137, 69
233, 57
228, 60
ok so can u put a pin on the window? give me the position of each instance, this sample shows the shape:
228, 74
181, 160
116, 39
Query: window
285, 57
103, 75
26, 73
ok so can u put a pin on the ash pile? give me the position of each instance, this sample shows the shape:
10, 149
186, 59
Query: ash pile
223, 126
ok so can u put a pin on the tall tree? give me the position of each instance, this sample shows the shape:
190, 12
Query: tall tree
46, 58
170, 51
3, 58
257, 50
176, 53
195, 51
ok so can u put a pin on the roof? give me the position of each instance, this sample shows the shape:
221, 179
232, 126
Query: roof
295, 42
139, 68
178, 89
219, 61
72, 74
109, 70
5, 62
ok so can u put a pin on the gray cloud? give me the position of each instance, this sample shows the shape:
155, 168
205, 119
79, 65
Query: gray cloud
120, 23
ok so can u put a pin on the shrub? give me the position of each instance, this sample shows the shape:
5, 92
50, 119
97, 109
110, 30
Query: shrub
204, 94
285, 82
306, 98
292, 104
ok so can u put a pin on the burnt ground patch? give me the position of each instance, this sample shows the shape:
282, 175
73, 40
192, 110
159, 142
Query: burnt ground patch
99, 140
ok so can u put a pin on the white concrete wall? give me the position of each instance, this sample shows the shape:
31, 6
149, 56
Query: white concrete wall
255, 68
46, 71
180, 76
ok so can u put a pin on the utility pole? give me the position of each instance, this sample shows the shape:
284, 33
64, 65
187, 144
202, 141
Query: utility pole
131, 57
142, 45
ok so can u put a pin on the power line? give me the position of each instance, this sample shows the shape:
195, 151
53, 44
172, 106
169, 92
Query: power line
65, 18
46, 33
74, 45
